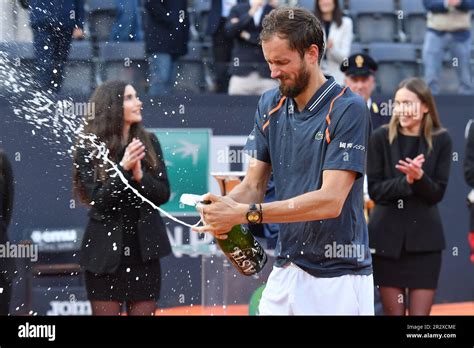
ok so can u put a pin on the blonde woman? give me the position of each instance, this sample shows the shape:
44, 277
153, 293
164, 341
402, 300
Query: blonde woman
408, 168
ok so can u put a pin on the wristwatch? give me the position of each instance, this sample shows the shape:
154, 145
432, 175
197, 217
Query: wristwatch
254, 215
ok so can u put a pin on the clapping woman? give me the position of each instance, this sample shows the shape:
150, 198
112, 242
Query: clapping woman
125, 237
408, 169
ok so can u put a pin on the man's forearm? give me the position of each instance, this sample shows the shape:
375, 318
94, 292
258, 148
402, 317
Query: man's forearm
322, 204
316, 205
243, 193
325, 203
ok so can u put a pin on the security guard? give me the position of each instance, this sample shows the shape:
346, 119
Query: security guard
359, 70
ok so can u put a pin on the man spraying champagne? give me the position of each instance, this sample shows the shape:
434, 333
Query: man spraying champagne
313, 135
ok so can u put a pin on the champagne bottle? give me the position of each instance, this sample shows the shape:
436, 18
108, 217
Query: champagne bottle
243, 250
240, 247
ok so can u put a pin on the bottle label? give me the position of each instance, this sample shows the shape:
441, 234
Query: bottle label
247, 260
241, 260
246, 254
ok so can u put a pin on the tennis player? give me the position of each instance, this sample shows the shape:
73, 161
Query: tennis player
313, 135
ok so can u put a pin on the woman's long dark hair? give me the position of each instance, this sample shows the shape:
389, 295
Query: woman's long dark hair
336, 13
107, 122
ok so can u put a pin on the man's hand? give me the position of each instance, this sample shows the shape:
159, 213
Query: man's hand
78, 33
412, 168
221, 215
245, 35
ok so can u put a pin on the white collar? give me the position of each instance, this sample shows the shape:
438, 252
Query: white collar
369, 103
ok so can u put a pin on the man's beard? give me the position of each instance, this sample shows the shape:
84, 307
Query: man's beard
301, 83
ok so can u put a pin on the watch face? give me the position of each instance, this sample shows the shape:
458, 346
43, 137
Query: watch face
253, 216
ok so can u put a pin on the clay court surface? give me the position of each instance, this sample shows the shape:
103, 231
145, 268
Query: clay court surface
461, 308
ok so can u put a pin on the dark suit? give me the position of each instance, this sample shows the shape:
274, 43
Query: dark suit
7, 265
248, 52
215, 16
378, 119
62, 13
166, 29
469, 169
406, 215
221, 46
102, 242
52, 23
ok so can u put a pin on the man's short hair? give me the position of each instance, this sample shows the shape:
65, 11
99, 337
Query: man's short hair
299, 26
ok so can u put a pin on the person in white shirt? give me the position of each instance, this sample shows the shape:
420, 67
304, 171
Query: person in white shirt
338, 35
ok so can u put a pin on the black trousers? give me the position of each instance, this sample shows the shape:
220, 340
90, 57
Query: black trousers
5, 295
222, 53
51, 47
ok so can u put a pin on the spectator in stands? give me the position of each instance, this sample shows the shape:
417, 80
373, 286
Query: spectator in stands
166, 39
408, 168
54, 24
338, 36
125, 237
469, 175
15, 21
249, 70
449, 24
127, 25
359, 72
7, 265
221, 44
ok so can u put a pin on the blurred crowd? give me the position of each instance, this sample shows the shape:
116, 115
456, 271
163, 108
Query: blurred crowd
231, 28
